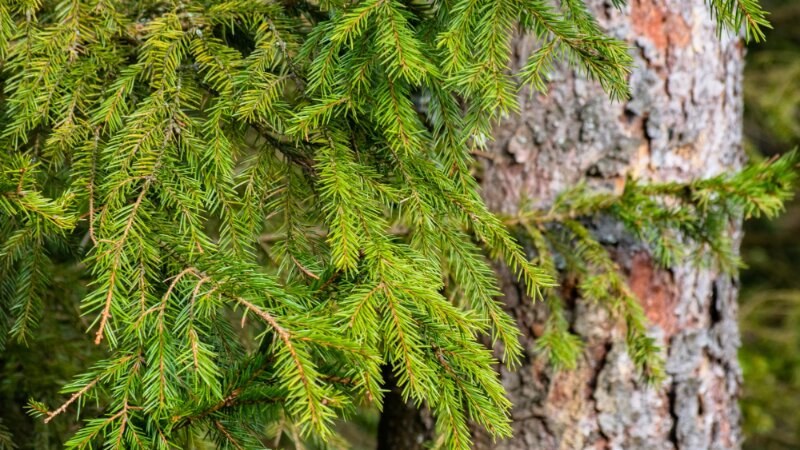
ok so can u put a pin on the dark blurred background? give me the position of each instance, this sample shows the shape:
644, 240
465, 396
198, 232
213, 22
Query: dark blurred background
770, 297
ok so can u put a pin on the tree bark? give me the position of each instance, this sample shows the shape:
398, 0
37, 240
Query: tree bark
401, 425
683, 121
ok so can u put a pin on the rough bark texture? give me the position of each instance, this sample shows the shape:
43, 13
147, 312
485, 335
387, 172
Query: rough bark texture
683, 121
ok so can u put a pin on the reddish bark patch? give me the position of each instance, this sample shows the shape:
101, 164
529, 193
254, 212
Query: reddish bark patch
651, 20
563, 389
678, 32
653, 289
722, 431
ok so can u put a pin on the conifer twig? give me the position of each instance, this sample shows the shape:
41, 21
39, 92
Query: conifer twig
71, 400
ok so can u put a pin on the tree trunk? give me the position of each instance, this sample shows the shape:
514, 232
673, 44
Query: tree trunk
682, 121
401, 426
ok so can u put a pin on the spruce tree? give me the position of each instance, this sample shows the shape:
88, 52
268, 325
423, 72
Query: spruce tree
257, 205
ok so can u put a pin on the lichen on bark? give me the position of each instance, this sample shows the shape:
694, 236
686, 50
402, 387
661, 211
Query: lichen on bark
683, 121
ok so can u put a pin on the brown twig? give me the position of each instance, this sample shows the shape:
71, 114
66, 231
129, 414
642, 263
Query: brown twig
70, 401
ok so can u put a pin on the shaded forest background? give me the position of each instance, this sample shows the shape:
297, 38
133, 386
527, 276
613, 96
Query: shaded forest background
770, 296
769, 303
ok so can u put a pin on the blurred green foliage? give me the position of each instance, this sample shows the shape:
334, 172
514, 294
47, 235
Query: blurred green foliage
770, 299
